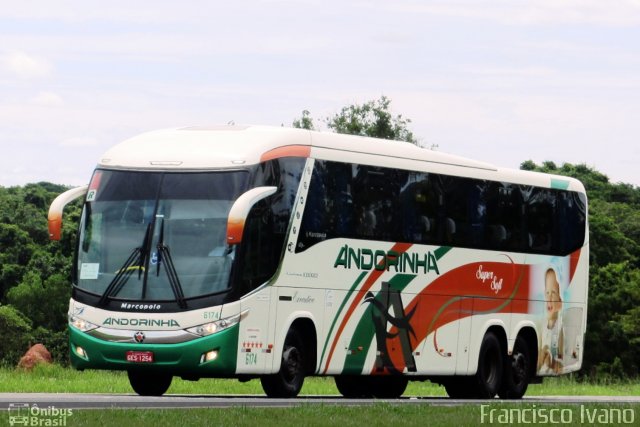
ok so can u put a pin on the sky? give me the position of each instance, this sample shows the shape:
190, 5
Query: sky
501, 81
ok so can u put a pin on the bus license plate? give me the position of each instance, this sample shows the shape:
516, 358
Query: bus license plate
140, 356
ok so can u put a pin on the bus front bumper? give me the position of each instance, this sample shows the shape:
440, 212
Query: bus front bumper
211, 356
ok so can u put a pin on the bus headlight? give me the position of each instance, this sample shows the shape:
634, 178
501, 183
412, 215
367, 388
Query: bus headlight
213, 327
81, 324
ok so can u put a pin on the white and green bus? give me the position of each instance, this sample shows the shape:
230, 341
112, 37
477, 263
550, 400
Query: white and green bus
274, 253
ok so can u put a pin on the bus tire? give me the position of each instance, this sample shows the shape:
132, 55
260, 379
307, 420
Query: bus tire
388, 387
354, 386
368, 386
517, 371
149, 383
488, 378
287, 382
459, 387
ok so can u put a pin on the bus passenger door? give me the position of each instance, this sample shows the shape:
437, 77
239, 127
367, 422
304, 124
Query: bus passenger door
255, 349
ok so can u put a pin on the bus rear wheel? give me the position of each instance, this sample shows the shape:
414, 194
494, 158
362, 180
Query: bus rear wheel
287, 382
353, 386
459, 387
149, 383
367, 386
488, 378
388, 387
517, 371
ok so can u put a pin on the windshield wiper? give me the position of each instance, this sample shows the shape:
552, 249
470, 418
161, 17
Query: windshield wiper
136, 261
164, 254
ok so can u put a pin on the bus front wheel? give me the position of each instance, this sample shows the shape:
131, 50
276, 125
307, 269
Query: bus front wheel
287, 382
367, 386
149, 383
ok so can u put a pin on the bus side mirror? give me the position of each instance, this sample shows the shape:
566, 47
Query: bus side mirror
240, 210
56, 208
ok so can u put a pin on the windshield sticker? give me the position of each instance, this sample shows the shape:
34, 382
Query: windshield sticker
93, 186
89, 270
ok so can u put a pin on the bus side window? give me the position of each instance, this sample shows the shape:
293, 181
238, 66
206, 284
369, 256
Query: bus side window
454, 212
540, 220
267, 223
316, 220
419, 209
339, 192
576, 217
378, 202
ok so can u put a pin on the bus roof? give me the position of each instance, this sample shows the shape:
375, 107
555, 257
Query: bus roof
224, 147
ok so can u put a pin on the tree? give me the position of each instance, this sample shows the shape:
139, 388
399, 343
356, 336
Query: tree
373, 118
612, 341
613, 332
304, 122
15, 252
34, 272
15, 330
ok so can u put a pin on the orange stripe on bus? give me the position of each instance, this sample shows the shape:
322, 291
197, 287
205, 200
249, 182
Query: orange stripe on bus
286, 151
235, 227
55, 226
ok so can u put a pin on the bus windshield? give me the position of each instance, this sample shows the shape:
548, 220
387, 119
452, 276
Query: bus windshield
153, 236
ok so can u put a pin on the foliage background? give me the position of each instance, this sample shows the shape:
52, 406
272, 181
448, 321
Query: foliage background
35, 273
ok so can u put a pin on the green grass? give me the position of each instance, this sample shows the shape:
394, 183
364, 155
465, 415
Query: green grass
56, 379
378, 414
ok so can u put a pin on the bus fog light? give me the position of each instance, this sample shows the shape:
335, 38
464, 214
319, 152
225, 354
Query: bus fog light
209, 356
81, 353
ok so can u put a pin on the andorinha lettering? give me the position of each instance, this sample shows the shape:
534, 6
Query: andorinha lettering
367, 259
113, 321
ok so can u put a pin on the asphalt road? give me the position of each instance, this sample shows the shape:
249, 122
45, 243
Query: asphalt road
102, 401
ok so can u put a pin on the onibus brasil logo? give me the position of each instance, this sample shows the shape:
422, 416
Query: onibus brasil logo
24, 414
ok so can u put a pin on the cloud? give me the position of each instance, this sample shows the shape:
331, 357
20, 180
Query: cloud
619, 13
25, 66
514, 71
79, 142
48, 99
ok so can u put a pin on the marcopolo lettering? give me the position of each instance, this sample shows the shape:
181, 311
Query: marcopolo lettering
130, 306
367, 259
114, 321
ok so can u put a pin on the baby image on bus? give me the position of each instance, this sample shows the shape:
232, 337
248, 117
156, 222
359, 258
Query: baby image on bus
550, 357
559, 319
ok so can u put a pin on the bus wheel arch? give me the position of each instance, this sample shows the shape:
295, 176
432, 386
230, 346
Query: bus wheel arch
489, 375
298, 359
306, 329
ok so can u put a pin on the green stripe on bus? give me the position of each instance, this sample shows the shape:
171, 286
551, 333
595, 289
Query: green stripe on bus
559, 184
335, 319
364, 333
441, 251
